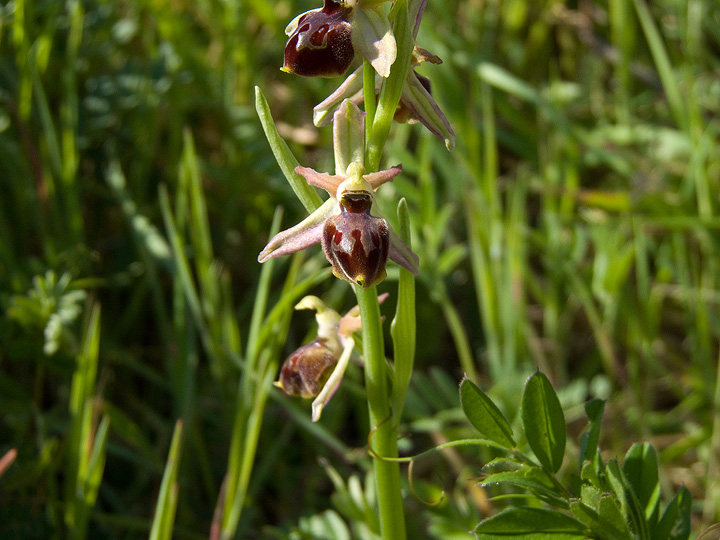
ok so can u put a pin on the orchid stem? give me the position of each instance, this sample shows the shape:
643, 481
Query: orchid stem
370, 98
379, 118
392, 87
384, 439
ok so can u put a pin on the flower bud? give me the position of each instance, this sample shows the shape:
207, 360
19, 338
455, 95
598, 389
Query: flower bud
305, 371
356, 243
320, 42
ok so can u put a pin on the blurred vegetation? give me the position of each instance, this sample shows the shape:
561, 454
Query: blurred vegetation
574, 229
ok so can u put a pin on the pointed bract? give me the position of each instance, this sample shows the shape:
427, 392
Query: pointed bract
425, 110
348, 136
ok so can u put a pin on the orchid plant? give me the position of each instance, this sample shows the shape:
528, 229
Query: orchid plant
355, 237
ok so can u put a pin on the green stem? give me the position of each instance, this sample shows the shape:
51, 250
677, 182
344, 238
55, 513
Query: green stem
370, 98
392, 87
384, 438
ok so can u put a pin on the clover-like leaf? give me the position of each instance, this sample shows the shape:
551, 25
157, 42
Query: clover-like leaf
484, 415
544, 422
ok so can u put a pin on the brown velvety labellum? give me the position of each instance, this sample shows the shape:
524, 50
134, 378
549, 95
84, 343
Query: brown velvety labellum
307, 369
321, 46
356, 243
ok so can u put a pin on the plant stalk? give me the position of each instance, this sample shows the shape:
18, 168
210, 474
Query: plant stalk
384, 437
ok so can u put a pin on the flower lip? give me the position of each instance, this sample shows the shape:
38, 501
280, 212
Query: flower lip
356, 243
305, 372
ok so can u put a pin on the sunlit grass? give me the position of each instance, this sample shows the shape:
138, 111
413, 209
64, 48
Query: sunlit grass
574, 229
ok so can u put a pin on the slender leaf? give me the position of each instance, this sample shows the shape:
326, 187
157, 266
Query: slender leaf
96, 463
544, 422
284, 156
81, 453
675, 521
162, 526
641, 470
531, 478
403, 325
531, 524
484, 415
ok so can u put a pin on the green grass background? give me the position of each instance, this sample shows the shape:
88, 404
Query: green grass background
574, 229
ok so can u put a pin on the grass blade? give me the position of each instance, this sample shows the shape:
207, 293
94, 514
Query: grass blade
162, 525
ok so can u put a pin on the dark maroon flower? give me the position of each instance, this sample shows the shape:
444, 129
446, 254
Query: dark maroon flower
320, 42
356, 243
307, 369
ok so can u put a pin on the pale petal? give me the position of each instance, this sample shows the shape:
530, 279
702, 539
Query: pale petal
311, 302
349, 89
373, 37
377, 179
402, 254
328, 322
426, 110
328, 182
301, 236
333, 381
